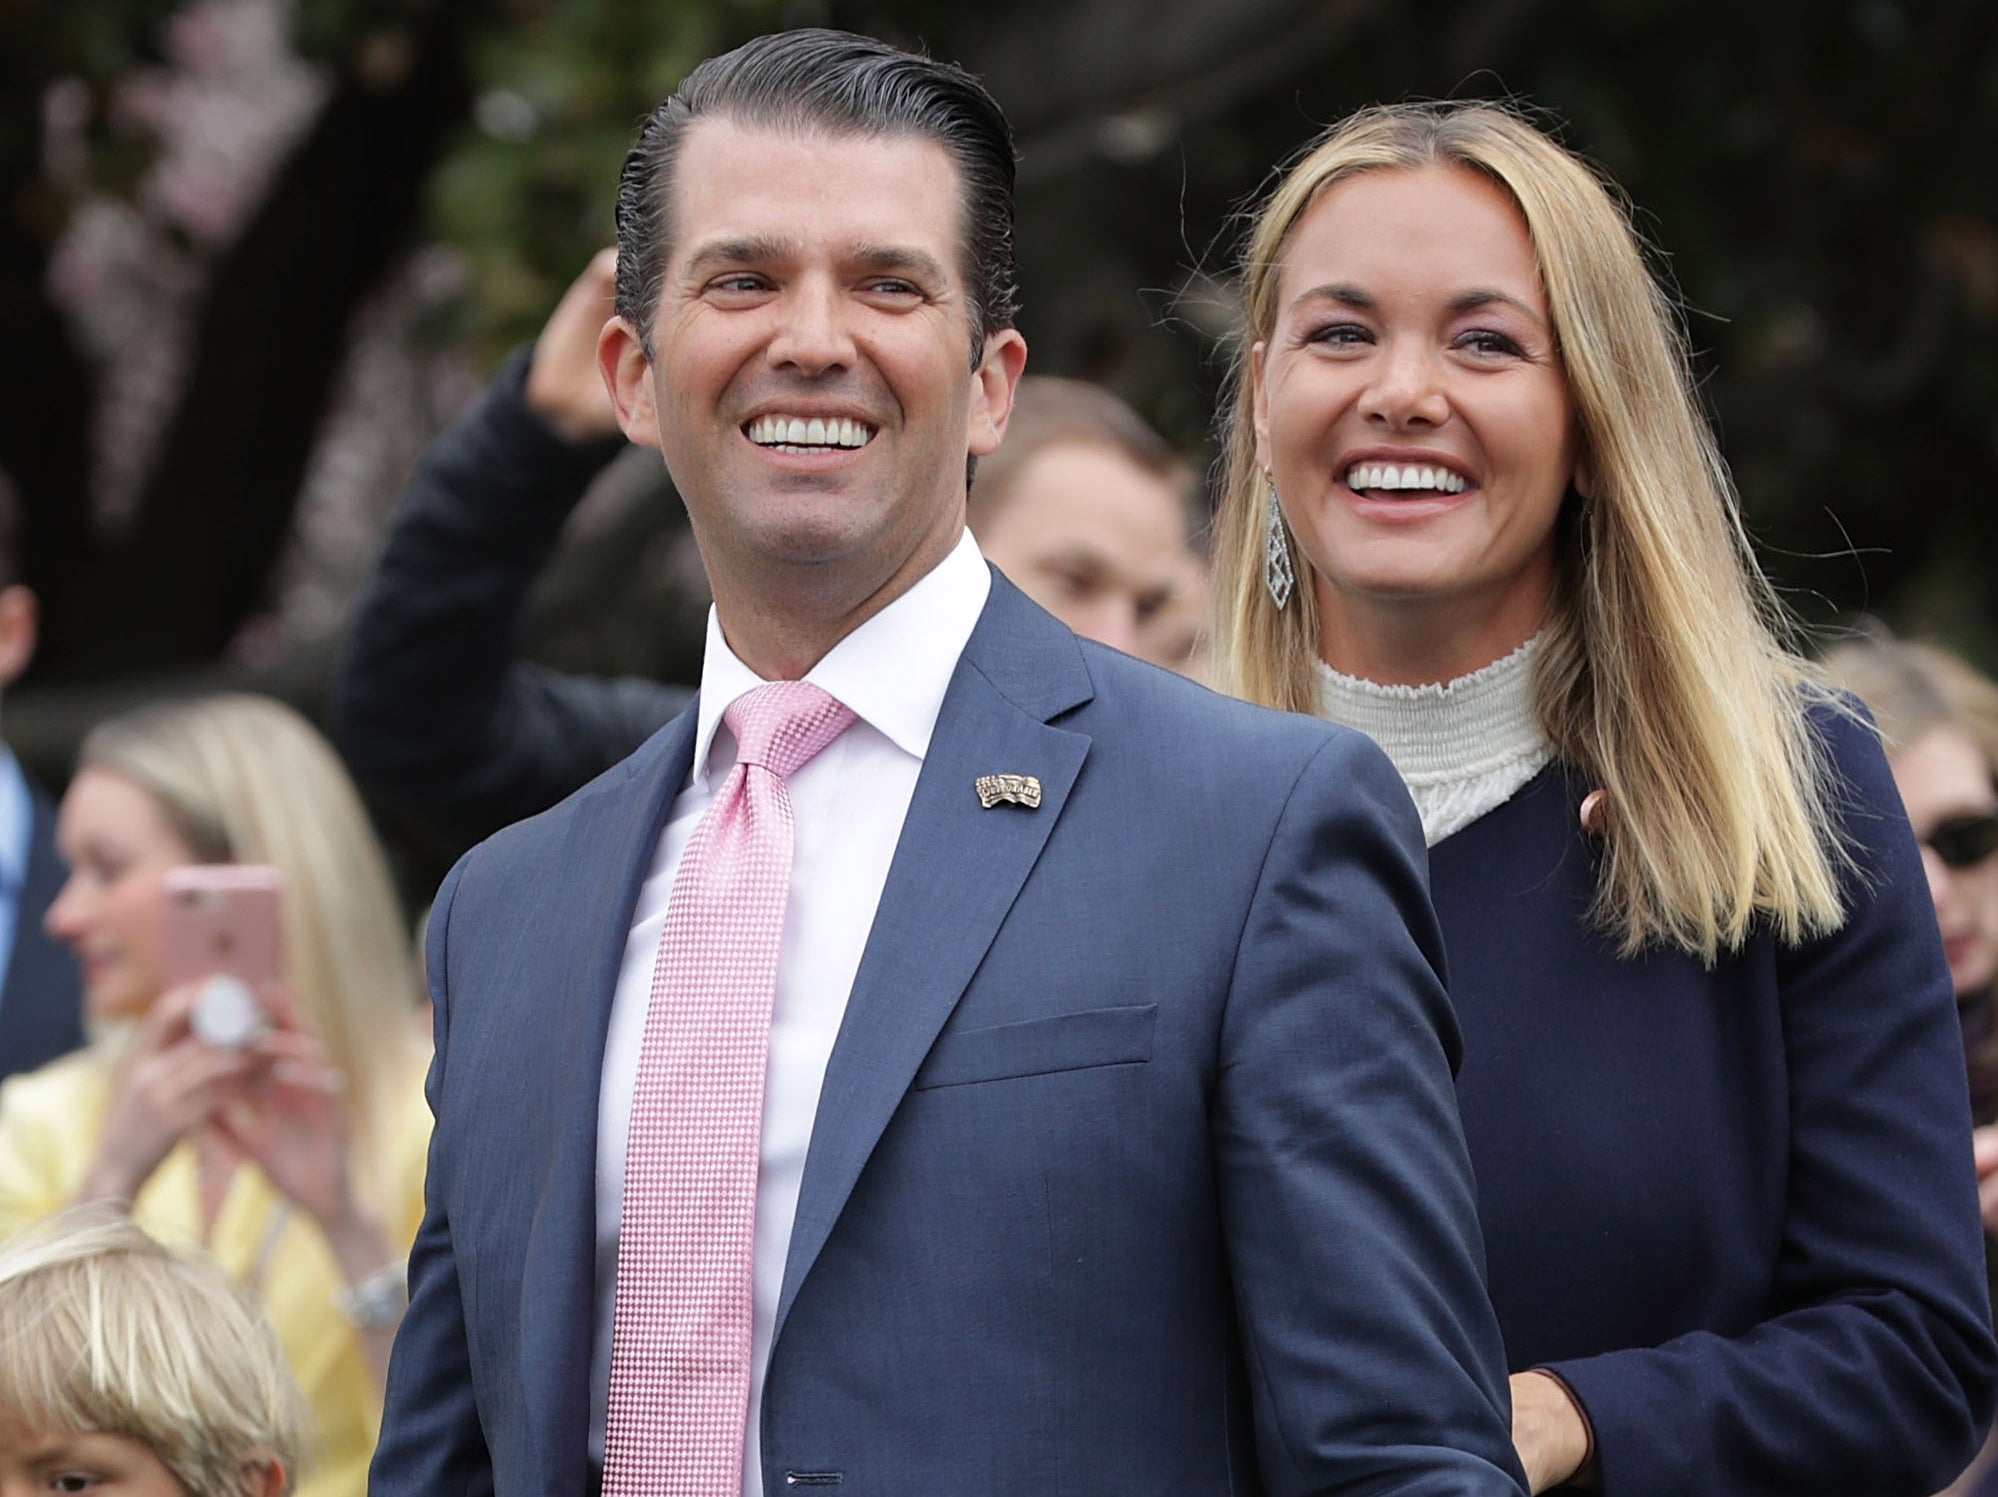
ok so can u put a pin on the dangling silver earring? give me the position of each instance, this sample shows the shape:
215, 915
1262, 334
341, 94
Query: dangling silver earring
1277, 574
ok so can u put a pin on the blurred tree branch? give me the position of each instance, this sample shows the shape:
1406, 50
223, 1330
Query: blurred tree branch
1819, 186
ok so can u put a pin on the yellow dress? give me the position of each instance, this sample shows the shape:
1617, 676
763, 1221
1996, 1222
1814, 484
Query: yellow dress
49, 1122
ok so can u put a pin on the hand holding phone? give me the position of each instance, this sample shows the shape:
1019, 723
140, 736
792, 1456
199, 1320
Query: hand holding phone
224, 930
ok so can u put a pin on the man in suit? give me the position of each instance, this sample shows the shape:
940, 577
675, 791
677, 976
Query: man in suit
41, 1013
451, 735
952, 1056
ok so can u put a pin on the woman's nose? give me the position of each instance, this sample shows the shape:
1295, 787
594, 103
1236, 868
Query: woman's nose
65, 911
1406, 388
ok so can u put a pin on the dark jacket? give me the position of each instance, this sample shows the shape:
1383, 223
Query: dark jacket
1733, 1209
450, 734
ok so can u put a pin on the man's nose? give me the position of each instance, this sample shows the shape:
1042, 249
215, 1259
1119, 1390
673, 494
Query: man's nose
813, 333
1114, 622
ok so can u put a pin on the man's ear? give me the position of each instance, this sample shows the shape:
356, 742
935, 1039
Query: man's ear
993, 384
628, 376
20, 625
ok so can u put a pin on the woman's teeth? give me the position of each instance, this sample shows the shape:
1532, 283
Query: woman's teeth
1378, 477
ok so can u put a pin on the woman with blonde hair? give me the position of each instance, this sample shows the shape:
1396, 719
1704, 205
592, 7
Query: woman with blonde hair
297, 1157
1711, 1084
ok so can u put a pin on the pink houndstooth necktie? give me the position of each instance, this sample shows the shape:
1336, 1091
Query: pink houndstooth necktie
680, 1333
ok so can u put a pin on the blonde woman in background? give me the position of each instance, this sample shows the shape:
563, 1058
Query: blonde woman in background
298, 1159
1712, 1084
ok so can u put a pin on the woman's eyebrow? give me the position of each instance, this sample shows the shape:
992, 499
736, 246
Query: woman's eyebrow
1343, 292
1485, 296
1361, 300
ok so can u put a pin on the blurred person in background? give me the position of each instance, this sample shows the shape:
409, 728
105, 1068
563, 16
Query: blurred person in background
453, 736
41, 1013
130, 1369
1088, 512
1939, 719
1712, 1081
298, 1158
1178, 632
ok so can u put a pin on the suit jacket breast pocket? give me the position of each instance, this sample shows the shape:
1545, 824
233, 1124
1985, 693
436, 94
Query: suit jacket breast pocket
1037, 1047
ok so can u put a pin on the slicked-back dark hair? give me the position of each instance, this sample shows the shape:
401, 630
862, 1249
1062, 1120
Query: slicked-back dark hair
841, 84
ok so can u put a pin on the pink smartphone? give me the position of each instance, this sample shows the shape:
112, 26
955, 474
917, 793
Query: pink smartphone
223, 924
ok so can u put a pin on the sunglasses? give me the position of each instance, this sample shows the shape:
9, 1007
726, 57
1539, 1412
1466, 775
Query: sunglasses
1964, 841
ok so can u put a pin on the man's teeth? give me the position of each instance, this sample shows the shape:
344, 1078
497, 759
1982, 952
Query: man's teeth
799, 431
1387, 476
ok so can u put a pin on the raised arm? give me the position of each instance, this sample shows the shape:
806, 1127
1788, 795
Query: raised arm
448, 730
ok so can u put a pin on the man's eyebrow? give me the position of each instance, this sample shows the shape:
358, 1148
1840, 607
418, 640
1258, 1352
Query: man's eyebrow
762, 249
893, 257
756, 249
1078, 554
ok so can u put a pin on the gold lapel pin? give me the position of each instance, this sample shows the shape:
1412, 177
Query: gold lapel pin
1019, 789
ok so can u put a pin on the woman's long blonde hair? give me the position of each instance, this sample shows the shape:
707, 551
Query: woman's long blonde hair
245, 779
1664, 676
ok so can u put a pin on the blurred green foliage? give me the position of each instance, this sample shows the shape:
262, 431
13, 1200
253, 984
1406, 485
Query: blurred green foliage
527, 193
1815, 176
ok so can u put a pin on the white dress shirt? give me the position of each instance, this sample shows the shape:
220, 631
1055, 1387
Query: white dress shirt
848, 804
17, 826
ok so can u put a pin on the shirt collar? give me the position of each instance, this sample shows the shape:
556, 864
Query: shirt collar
17, 812
892, 671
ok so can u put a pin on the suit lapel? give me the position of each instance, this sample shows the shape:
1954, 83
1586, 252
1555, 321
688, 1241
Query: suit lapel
956, 872
612, 837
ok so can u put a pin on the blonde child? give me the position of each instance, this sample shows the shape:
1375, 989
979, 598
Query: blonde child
130, 1370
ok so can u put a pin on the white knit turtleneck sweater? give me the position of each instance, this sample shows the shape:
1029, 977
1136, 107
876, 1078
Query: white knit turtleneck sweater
1463, 747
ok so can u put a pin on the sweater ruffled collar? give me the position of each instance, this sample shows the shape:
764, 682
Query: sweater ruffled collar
1463, 747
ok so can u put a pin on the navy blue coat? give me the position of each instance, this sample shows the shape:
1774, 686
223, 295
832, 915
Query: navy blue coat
1734, 1209
1136, 1167
447, 730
